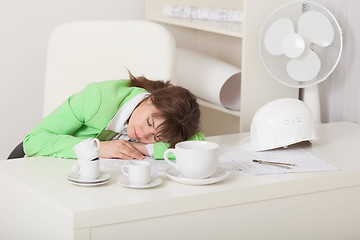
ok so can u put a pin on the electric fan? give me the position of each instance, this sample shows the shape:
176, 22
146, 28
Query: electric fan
300, 46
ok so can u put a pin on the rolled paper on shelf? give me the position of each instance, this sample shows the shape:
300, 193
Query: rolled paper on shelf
176, 11
209, 78
212, 14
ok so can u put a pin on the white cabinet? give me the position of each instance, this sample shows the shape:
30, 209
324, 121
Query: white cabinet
235, 43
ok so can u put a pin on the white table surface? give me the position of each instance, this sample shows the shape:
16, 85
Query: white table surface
318, 205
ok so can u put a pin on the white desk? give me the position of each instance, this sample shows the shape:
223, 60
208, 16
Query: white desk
37, 202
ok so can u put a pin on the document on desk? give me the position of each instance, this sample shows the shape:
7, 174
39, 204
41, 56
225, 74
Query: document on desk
237, 159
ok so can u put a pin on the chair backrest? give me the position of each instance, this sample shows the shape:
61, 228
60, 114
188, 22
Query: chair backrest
90, 51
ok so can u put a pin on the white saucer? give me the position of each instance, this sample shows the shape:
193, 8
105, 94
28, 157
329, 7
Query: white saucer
155, 181
219, 175
75, 178
89, 184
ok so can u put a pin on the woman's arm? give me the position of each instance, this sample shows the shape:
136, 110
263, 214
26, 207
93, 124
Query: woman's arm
141, 147
53, 136
122, 149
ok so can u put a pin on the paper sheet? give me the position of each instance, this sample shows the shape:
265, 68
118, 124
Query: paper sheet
237, 159
209, 78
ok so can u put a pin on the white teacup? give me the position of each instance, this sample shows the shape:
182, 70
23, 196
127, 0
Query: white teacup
138, 172
194, 159
87, 170
87, 149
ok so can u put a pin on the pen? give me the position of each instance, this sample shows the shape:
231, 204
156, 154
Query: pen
277, 164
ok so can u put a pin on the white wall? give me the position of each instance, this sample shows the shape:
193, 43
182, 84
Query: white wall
25, 26
340, 94
24, 29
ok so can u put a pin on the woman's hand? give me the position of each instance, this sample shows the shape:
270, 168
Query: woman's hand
119, 149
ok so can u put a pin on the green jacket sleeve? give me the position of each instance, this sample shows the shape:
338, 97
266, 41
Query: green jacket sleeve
54, 136
160, 147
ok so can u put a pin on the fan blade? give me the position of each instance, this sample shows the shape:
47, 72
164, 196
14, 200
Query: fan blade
304, 68
293, 45
275, 35
316, 28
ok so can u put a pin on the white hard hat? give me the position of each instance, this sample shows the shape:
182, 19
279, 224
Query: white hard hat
280, 123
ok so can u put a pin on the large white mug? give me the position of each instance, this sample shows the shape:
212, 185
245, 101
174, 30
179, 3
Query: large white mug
194, 159
87, 170
87, 149
138, 172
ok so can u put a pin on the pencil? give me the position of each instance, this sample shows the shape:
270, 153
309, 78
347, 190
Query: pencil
278, 164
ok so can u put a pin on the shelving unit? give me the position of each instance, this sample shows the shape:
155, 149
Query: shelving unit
218, 108
228, 29
235, 43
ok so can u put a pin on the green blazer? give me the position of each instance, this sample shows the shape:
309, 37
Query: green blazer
84, 115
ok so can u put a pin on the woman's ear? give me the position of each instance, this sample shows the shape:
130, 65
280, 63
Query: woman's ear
150, 99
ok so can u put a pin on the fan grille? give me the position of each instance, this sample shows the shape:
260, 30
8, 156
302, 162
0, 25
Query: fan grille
329, 56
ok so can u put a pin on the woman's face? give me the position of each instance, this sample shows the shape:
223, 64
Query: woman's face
142, 125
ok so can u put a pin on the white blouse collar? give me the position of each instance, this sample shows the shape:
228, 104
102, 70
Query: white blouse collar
118, 123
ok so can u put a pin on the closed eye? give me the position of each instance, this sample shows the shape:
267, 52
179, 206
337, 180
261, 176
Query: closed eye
156, 139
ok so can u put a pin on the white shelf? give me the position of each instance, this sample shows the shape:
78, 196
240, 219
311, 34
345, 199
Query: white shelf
218, 108
235, 43
224, 28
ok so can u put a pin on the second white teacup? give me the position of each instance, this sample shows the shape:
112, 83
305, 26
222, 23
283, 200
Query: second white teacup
194, 159
87, 149
138, 172
87, 170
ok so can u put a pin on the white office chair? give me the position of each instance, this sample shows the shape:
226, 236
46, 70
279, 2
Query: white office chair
81, 52
86, 51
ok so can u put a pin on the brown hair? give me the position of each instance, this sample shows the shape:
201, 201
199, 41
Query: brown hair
177, 105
